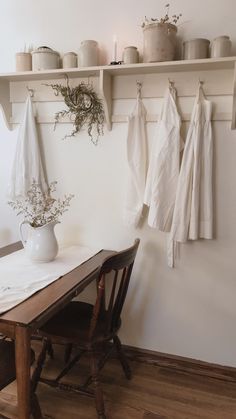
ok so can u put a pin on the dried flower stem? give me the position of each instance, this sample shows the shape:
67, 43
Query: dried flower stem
166, 19
40, 208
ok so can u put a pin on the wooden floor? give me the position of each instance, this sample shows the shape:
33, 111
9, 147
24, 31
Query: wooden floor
153, 393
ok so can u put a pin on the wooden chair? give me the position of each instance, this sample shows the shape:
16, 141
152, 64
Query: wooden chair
93, 328
8, 373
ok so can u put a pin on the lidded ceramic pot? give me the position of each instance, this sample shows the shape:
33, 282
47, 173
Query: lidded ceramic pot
220, 47
45, 58
130, 55
195, 49
69, 60
88, 53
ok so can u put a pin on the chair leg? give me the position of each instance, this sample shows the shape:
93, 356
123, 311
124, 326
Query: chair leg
122, 358
102, 361
98, 390
35, 407
50, 350
70, 365
68, 351
39, 366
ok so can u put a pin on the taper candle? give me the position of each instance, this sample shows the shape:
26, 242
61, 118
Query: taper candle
114, 48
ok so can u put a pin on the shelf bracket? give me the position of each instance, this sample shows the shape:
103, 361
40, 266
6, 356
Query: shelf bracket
5, 104
233, 125
105, 89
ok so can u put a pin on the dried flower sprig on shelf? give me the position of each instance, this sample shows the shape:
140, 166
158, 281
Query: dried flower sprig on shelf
40, 208
166, 19
84, 108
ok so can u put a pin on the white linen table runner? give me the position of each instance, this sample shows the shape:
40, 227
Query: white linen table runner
20, 278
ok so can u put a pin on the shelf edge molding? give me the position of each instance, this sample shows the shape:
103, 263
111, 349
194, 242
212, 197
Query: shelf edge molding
124, 69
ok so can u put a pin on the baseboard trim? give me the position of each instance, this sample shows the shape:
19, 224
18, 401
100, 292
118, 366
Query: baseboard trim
186, 365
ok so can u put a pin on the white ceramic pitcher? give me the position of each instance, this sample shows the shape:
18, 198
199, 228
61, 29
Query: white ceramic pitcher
41, 243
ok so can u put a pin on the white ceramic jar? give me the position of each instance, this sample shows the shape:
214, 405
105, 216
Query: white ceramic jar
220, 47
23, 61
159, 42
44, 58
130, 55
196, 49
69, 60
88, 53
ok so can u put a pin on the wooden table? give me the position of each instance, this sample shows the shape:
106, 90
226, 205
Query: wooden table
20, 322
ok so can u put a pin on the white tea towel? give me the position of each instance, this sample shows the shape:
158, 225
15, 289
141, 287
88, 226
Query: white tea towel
193, 213
27, 164
163, 171
20, 278
136, 155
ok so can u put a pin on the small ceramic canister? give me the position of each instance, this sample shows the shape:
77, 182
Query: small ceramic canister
220, 47
196, 48
69, 60
130, 55
23, 61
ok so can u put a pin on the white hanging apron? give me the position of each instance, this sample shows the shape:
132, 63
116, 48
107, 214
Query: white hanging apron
193, 215
164, 166
136, 155
27, 165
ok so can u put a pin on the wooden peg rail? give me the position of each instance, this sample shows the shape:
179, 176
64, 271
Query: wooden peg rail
120, 82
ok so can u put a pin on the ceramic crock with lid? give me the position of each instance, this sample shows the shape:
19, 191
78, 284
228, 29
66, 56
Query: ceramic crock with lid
45, 58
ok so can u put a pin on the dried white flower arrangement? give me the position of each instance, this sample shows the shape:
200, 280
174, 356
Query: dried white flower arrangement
166, 19
40, 208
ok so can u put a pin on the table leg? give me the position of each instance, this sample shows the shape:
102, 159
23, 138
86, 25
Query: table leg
22, 358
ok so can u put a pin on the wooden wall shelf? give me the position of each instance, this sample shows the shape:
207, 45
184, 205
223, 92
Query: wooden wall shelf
105, 76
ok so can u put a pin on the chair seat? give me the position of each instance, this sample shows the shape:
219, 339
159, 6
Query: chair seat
72, 324
7, 362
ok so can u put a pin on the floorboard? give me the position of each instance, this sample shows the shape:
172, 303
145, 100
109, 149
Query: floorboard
153, 393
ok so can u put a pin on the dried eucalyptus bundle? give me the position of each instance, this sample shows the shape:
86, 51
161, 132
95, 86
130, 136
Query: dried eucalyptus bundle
84, 106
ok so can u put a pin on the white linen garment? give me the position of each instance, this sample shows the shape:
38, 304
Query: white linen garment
27, 164
136, 155
192, 218
164, 165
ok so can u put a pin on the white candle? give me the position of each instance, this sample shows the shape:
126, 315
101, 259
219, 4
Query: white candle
114, 48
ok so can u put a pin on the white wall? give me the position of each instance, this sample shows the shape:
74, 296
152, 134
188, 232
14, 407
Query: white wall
191, 309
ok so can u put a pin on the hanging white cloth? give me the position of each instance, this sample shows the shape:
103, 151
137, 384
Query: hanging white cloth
136, 155
193, 215
27, 164
164, 165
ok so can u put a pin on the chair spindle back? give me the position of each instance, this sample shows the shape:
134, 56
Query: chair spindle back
113, 285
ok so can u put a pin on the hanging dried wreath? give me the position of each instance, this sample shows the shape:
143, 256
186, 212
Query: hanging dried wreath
84, 106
